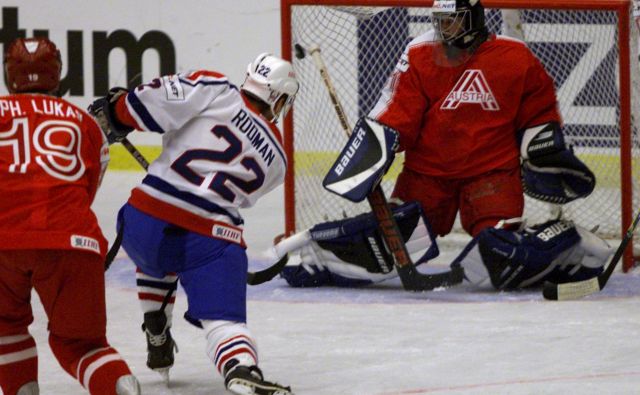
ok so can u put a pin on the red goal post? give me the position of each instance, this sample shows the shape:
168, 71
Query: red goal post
586, 45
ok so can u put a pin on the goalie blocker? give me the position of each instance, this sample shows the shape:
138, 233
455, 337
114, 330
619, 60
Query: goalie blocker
350, 253
360, 166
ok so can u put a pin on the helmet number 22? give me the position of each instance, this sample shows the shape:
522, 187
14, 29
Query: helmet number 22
263, 70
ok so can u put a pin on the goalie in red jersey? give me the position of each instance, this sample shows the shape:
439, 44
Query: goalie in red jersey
477, 117
468, 105
52, 158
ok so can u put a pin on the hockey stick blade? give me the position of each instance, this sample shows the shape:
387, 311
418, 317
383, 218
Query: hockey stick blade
571, 291
262, 276
412, 280
279, 253
580, 289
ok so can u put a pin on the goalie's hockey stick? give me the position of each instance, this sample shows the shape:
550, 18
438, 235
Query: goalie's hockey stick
579, 289
412, 280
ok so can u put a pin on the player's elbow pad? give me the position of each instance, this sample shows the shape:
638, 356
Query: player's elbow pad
364, 160
551, 172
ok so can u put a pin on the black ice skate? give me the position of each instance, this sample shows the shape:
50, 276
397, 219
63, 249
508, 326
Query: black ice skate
248, 380
160, 344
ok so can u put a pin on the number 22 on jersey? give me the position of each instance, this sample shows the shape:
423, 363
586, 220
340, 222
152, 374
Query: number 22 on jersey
226, 156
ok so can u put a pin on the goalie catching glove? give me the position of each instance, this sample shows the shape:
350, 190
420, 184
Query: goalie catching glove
103, 110
556, 251
364, 160
550, 170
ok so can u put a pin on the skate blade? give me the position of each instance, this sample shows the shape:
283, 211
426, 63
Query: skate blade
246, 387
164, 372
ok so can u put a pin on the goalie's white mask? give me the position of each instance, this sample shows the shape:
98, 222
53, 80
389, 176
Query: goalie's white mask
269, 79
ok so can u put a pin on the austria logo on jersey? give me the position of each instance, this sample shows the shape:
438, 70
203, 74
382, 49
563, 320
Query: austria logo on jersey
472, 87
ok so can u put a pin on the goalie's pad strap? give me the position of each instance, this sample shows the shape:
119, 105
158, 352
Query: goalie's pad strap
363, 161
556, 251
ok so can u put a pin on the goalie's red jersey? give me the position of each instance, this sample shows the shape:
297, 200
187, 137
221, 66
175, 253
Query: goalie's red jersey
459, 121
52, 156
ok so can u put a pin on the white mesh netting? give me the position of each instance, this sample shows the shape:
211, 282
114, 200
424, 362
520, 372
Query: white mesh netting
361, 45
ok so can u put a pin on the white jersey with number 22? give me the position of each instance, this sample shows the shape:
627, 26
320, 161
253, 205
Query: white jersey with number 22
218, 152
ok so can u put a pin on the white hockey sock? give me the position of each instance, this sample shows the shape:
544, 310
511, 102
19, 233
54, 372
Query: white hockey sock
228, 340
152, 291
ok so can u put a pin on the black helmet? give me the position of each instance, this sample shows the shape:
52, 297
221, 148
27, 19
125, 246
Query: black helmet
459, 22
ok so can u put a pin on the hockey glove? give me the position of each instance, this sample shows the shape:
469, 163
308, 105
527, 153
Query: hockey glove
550, 170
103, 110
364, 160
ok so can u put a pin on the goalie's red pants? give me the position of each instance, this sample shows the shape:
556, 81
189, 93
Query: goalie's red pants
70, 285
482, 200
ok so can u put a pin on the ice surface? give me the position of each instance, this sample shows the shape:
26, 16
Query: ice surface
382, 340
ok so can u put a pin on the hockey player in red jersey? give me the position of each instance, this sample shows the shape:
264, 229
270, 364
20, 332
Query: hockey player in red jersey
221, 151
468, 105
52, 158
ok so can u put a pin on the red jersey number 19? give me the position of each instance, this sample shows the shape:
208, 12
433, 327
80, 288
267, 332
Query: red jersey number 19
54, 144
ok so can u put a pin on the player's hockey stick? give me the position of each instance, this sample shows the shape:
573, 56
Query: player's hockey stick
115, 247
579, 289
135, 153
279, 253
412, 280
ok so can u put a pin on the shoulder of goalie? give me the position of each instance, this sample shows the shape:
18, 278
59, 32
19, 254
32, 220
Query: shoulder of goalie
360, 166
557, 251
351, 252
550, 170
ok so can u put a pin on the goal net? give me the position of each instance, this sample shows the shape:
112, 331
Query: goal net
584, 45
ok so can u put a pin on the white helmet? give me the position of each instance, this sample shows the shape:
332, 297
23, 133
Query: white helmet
268, 79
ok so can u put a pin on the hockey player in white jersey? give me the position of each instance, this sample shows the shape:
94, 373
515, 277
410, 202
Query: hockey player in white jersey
221, 151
